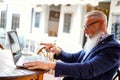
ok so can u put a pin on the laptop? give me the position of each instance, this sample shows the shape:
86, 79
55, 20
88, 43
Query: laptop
16, 50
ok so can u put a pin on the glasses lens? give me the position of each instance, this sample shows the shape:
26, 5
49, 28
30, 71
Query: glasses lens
87, 26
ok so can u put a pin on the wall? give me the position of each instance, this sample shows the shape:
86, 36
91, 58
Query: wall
24, 23
114, 10
71, 41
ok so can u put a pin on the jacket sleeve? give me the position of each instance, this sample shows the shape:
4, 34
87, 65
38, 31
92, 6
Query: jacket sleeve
69, 57
104, 61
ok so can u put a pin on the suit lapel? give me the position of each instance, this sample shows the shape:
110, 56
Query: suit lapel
92, 52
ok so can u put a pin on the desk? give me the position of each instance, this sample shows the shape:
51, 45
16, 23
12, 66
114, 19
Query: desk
8, 70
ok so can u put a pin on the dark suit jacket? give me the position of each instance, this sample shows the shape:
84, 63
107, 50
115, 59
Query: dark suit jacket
100, 64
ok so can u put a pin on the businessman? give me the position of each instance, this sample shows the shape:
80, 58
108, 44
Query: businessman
99, 59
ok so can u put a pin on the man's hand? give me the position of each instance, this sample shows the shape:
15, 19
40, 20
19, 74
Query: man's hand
49, 47
45, 65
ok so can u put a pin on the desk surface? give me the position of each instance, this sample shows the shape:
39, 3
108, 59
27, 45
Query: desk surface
9, 70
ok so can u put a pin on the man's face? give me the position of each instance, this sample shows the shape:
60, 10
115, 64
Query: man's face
92, 26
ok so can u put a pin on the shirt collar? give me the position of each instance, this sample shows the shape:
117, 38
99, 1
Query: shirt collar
104, 37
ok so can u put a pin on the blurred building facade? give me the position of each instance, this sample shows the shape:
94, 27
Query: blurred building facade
60, 24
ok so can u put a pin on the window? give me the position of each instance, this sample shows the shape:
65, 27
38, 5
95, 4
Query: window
3, 19
15, 21
37, 19
116, 26
67, 23
54, 15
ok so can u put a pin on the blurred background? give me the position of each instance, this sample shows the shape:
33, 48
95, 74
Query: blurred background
55, 21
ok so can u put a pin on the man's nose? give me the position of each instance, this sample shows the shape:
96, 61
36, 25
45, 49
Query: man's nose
85, 30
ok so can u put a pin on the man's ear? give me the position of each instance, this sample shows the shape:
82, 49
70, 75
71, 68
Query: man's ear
103, 26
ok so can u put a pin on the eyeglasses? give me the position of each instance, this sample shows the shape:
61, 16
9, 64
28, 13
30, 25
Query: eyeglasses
87, 26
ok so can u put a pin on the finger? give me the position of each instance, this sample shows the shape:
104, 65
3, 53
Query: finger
33, 67
28, 64
52, 49
42, 43
47, 45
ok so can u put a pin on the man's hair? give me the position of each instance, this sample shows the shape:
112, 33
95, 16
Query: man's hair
97, 13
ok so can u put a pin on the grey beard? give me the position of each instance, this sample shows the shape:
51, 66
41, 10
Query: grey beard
91, 42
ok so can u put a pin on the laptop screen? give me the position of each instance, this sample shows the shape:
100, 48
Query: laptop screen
14, 41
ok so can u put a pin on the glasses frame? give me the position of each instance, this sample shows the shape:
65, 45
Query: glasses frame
87, 26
